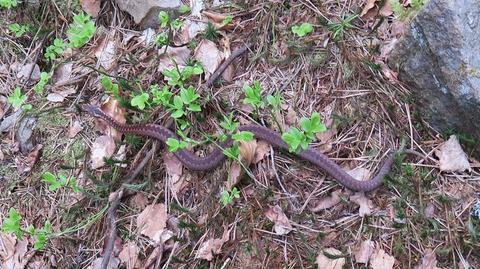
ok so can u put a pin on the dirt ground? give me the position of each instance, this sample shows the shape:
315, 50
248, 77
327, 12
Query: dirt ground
288, 213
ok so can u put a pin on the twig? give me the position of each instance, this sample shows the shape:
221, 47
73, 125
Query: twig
225, 64
115, 201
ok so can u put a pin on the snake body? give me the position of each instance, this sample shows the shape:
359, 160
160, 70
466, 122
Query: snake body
216, 157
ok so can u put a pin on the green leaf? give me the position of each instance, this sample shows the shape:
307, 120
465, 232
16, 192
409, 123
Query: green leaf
225, 199
44, 78
163, 18
52, 181
176, 24
312, 125
275, 100
243, 136
295, 139
81, 30
253, 94
229, 124
184, 9
235, 193
174, 144
228, 19
232, 152
161, 97
109, 86
16, 99
12, 223
178, 114
8, 3
161, 39
140, 100
303, 29
18, 29
194, 107
73, 184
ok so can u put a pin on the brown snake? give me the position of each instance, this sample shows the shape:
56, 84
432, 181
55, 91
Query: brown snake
215, 158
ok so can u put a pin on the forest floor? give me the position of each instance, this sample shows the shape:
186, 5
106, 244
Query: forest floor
66, 177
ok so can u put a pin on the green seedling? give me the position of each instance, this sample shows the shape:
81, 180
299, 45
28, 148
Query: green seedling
161, 97
227, 20
253, 95
18, 29
12, 223
176, 24
303, 29
56, 182
140, 100
57, 48
337, 29
174, 144
297, 139
228, 196
8, 3
44, 78
161, 39
109, 86
211, 32
184, 9
16, 99
81, 30
163, 18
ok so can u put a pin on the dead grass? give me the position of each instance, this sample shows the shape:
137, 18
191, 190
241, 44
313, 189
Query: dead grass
371, 117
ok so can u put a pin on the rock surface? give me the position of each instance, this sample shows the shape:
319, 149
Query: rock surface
145, 13
438, 57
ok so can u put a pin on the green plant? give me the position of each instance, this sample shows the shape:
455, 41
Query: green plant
12, 223
41, 234
303, 29
228, 196
227, 20
56, 182
339, 28
44, 78
16, 99
297, 139
176, 24
184, 9
140, 100
109, 86
253, 95
161, 39
8, 3
52, 51
161, 97
210, 32
81, 30
163, 18
234, 151
275, 101
174, 144
18, 29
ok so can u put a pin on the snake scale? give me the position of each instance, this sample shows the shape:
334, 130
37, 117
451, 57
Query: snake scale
216, 157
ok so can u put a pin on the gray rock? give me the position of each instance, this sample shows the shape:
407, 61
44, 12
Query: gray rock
145, 13
439, 58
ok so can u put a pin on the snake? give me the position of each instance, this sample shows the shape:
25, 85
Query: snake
211, 161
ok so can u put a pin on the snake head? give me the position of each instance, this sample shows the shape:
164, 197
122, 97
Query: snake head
93, 110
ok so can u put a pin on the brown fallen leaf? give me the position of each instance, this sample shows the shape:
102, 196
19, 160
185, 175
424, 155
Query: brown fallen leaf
113, 263
174, 169
173, 55
365, 204
62, 73
112, 108
139, 201
263, 148
38, 263
152, 222
451, 156
327, 202
92, 7
129, 255
75, 128
106, 51
26, 165
209, 55
103, 147
282, 224
324, 261
14, 255
364, 251
3, 105
429, 261
190, 30
236, 171
212, 246
381, 260
370, 4
386, 9
58, 97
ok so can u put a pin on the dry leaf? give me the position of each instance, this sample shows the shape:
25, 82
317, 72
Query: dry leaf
281, 222
62, 73
291, 118
103, 147
92, 7
370, 4
209, 55
113, 263
430, 210
14, 254
391, 75
452, 157
38, 263
172, 55
112, 108
386, 9
58, 97
25, 71
75, 128
3, 105
174, 169
365, 204
106, 52
429, 261
129, 255
139, 201
381, 260
152, 221
236, 172
32, 157
190, 30
212, 246
324, 262
365, 250
263, 148
327, 202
